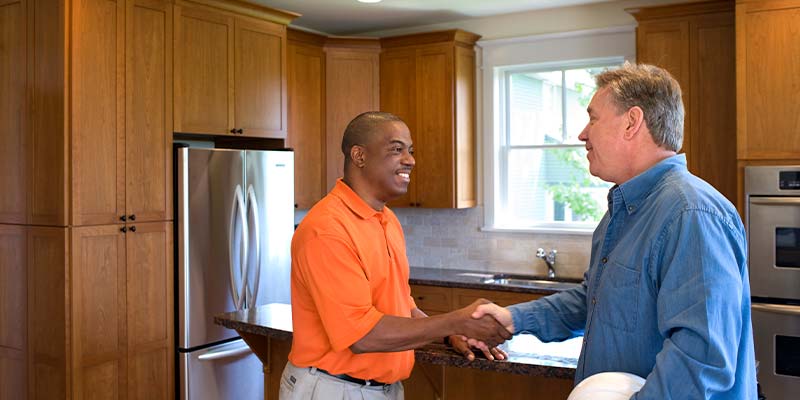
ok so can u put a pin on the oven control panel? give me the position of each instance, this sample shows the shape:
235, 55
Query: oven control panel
789, 180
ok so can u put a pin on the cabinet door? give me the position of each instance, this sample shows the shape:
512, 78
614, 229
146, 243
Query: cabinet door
149, 312
148, 138
713, 102
434, 125
13, 111
399, 97
260, 78
306, 135
98, 112
767, 82
203, 72
666, 44
13, 311
98, 312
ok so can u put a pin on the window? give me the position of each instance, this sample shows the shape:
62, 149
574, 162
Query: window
542, 174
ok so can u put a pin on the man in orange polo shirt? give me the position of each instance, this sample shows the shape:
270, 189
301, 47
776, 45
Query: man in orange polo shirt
355, 323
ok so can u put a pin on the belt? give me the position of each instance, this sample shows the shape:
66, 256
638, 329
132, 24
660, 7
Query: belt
358, 381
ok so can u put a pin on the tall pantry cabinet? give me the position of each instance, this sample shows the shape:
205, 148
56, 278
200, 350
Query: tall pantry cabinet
90, 140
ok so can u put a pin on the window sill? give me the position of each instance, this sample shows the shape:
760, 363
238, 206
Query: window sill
541, 229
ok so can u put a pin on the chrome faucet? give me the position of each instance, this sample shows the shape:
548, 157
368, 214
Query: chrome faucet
549, 259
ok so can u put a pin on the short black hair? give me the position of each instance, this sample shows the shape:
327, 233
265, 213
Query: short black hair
360, 129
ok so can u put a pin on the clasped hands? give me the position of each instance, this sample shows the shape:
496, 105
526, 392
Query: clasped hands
483, 325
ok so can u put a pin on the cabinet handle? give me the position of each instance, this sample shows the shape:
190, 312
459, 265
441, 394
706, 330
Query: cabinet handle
123, 218
411, 204
133, 217
417, 204
420, 297
240, 131
123, 229
233, 131
133, 228
295, 205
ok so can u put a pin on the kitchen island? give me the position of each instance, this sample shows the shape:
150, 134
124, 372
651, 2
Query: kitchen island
534, 370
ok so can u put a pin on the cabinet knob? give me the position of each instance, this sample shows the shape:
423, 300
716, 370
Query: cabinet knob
123, 229
240, 131
133, 228
420, 297
233, 131
411, 204
123, 218
132, 217
295, 205
417, 204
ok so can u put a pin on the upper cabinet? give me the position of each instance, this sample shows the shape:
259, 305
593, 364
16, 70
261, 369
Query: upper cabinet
230, 69
695, 43
767, 79
306, 135
428, 80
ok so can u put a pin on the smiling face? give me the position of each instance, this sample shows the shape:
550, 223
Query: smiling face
388, 161
604, 138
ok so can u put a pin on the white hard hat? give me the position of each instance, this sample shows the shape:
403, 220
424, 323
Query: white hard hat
607, 386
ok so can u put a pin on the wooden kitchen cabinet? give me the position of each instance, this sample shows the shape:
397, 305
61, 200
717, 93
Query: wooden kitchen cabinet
122, 312
695, 43
439, 300
13, 312
428, 80
230, 69
122, 112
767, 62
306, 133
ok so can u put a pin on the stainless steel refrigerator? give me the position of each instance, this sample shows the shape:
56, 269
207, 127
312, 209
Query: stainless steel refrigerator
235, 218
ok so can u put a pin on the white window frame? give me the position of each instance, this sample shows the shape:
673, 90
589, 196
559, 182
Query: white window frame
502, 57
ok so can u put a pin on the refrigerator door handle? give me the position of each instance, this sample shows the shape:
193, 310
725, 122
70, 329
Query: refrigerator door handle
224, 351
238, 290
776, 308
252, 203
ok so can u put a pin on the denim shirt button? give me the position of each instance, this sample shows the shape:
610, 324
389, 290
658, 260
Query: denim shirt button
594, 300
604, 260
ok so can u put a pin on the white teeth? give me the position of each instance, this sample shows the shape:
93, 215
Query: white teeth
403, 174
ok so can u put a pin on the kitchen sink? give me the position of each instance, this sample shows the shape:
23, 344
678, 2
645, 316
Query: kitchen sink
531, 281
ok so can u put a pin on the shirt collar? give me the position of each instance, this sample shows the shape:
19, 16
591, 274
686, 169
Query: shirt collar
353, 201
634, 191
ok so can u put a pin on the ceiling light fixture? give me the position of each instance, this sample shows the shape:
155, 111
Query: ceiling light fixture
369, 1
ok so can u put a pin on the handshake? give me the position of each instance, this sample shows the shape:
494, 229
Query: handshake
483, 325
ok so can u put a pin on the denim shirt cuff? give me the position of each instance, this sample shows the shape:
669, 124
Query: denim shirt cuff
522, 317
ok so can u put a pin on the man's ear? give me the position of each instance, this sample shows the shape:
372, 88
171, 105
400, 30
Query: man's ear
358, 156
634, 118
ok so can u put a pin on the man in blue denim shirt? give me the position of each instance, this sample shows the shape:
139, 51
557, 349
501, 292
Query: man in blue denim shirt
667, 295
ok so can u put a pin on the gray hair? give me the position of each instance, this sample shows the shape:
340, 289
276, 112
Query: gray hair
656, 92
363, 126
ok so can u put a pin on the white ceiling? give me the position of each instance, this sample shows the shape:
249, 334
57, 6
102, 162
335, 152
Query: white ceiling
349, 17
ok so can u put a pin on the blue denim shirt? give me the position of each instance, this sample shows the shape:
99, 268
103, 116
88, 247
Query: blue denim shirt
666, 295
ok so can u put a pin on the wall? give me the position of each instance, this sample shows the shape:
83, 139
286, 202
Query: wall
452, 239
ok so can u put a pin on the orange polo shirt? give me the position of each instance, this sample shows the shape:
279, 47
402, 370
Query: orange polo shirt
349, 268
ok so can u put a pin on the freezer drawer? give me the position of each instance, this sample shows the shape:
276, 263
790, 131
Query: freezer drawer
226, 371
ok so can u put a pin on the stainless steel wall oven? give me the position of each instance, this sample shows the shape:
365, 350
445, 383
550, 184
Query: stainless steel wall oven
772, 214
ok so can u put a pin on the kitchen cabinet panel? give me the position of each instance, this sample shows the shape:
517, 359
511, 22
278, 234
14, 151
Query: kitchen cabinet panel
148, 131
429, 81
352, 87
98, 112
432, 299
695, 43
13, 312
13, 112
306, 129
767, 82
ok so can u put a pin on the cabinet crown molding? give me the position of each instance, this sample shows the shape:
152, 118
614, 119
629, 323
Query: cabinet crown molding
680, 10
458, 36
247, 8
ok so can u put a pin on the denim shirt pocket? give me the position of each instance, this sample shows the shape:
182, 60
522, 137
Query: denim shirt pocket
618, 297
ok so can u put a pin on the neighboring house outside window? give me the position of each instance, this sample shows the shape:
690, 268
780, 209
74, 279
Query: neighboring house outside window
538, 172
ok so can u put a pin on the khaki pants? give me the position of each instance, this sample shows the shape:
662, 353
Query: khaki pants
309, 384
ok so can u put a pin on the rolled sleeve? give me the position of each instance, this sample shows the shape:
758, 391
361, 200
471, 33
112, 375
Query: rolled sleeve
553, 318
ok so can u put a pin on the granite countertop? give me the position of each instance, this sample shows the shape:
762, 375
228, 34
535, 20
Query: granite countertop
527, 355
478, 280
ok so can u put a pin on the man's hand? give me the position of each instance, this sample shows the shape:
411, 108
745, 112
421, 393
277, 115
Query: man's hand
460, 345
484, 328
501, 314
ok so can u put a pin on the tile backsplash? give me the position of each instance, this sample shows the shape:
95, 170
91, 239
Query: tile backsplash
451, 238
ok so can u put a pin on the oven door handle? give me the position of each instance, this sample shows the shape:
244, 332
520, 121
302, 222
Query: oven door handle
775, 200
776, 308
